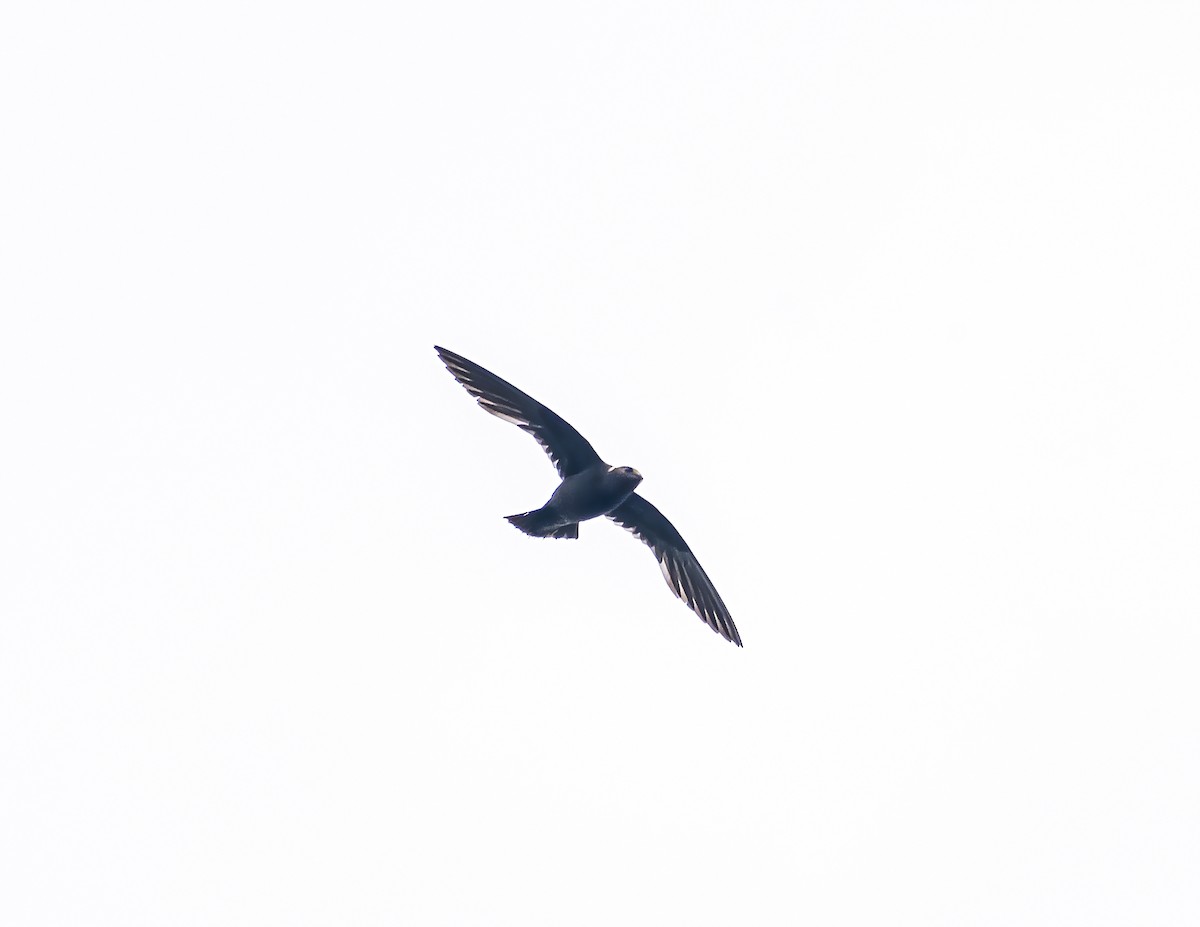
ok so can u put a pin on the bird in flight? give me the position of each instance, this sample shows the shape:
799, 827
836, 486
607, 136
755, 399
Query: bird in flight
591, 488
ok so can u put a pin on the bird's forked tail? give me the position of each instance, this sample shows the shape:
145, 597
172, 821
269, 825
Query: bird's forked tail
541, 523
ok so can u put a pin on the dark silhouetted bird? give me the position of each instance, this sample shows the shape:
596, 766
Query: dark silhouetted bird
591, 488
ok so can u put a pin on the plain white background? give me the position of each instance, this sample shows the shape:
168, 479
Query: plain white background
894, 305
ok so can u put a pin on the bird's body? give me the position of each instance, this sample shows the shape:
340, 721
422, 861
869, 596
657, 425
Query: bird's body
591, 488
587, 494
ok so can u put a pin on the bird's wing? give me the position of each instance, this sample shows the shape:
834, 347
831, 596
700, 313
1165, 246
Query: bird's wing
679, 565
568, 450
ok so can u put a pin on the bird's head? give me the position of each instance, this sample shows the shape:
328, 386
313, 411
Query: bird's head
627, 473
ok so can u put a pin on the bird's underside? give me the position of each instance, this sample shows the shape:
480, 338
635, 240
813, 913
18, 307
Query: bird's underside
591, 488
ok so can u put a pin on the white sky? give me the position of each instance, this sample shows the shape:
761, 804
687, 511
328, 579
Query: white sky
894, 305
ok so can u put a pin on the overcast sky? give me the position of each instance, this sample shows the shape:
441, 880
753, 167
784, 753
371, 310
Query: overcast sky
896, 308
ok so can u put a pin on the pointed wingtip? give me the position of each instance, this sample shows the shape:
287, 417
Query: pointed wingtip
449, 358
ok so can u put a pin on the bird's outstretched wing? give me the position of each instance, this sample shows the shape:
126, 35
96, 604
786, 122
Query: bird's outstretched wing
568, 450
679, 565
